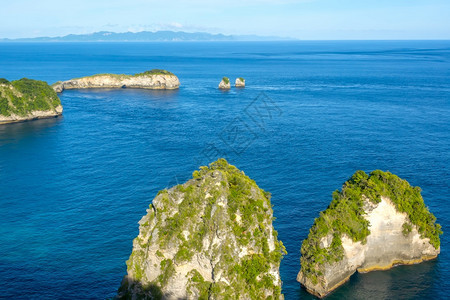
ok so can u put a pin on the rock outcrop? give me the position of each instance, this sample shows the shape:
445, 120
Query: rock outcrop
374, 223
27, 99
225, 84
209, 238
154, 79
240, 82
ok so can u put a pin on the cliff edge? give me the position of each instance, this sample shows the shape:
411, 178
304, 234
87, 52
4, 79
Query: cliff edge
154, 79
374, 223
27, 99
209, 238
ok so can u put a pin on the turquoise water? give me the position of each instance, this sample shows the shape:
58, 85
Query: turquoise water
73, 188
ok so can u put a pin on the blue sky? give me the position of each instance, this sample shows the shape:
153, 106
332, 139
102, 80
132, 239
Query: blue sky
303, 19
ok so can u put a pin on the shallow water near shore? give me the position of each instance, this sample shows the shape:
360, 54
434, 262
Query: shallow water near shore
73, 188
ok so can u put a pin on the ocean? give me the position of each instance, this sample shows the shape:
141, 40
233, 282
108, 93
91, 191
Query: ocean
72, 189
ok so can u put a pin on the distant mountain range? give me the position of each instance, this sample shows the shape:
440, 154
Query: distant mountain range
147, 36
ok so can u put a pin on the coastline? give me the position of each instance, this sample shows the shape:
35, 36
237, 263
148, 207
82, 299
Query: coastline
397, 262
333, 288
34, 115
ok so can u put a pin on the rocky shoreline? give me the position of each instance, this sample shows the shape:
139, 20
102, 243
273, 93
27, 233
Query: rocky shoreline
320, 294
34, 115
399, 262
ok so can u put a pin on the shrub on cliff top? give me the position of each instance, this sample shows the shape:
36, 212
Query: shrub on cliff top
155, 72
123, 76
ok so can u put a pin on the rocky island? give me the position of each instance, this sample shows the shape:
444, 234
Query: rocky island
209, 238
373, 223
27, 99
240, 82
155, 79
225, 84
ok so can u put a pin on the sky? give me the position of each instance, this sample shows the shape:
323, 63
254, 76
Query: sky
302, 19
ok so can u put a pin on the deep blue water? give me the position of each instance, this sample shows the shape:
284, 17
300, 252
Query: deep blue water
72, 189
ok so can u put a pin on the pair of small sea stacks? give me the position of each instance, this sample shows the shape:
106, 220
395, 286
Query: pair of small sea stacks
225, 83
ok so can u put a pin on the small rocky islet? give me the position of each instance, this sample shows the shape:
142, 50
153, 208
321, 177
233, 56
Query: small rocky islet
240, 82
225, 84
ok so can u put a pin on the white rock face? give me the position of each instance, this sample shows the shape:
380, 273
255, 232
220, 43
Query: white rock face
240, 82
225, 84
145, 81
207, 246
386, 246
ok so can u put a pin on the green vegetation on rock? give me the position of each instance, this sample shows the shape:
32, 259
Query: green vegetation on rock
226, 80
167, 271
155, 72
21, 97
345, 215
407, 228
124, 76
198, 283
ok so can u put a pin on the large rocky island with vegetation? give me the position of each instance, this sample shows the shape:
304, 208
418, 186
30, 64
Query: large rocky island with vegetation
375, 222
209, 238
27, 99
154, 79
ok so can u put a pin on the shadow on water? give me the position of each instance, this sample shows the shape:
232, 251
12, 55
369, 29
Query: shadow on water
150, 291
9, 133
400, 282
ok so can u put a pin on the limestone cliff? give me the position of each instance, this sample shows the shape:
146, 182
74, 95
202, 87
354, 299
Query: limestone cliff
209, 238
154, 79
27, 99
374, 223
225, 83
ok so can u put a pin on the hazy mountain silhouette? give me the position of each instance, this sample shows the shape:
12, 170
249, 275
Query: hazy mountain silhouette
147, 36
